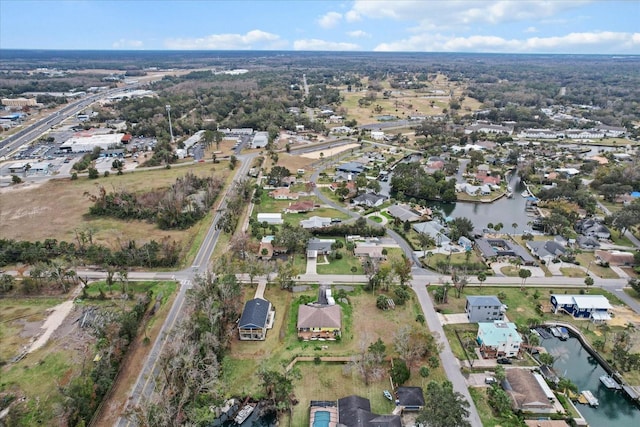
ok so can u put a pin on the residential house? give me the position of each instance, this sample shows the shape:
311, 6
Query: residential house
593, 228
270, 218
498, 339
377, 135
547, 250
594, 307
410, 398
526, 393
617, 258
491, 248
466, 243
317, 247
489, 128
368, 250
483, 170
267, 250
317, 321
351, 168
355, 411
404, 213
587, 243
484, 308
315, 222
369, 200
434, 229
300, 206
256, 317
283, 194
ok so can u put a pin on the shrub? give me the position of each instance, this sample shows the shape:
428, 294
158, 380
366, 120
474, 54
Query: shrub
400, 371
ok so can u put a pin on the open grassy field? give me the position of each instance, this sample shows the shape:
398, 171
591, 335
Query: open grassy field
56, 208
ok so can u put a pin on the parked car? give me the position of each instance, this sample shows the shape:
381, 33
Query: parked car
504, 361
490, 380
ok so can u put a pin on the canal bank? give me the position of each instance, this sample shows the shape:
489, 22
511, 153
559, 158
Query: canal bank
574, 361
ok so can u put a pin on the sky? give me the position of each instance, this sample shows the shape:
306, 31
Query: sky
505, 26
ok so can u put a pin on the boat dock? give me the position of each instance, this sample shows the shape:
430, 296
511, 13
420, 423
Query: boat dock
610, 383
586, 397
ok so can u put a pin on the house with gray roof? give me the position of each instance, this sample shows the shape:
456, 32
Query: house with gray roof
547, 250
404, 213
593, 228
410, 398
256, 316
369, 200
315, 222
434, 229
492, 248
317, 247
484, 308
355, 411
351, 168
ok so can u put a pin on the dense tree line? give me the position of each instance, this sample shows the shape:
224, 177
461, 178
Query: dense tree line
153, 254
180, 206
190, 380
617, 180
571, 190
411, 182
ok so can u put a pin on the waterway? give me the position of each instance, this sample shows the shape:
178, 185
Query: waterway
573, 361
504, 210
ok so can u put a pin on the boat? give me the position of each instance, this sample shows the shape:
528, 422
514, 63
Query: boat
556, 333
509, 189
387, 394
564, 333
610, 383
509, 194
525, 194
543, 333
590, 398
244, 413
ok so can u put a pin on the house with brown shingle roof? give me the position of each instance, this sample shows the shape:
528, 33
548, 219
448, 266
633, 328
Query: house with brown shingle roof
319, 321
300, 206
526, 394
283, 193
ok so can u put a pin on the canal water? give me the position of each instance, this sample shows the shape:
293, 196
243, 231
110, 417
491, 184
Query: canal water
507, 211
574, 362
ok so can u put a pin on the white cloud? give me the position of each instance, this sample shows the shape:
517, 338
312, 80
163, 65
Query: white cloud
358, 34
531, 30
330, 20
124, 44
352, 16
593, 42
438, 14
255, 39
316, 44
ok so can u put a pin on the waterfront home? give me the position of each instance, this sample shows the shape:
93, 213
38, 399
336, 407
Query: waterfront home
465, 242
492, 248
369, 200
404, 213
434, 229
484, 308
593, 307
527, 392
498, 339
546, 251
593, 228
257, 315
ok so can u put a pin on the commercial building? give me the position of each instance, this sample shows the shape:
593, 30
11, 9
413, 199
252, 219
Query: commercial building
19, 102
87, 142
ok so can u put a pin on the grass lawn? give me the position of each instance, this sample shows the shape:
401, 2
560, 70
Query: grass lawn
340, 266
166, 289
587, 259
480, 399
617, 239
14, 313
509, 270
632, 293
572, 272
376, 218
362, 323
457, 259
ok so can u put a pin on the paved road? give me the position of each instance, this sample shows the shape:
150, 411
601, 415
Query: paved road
145, 383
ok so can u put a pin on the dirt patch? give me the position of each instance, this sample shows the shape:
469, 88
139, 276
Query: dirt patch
328, 152
623, 316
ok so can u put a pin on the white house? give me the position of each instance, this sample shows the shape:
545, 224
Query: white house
270, 218
499, 339
377, 135
260, 140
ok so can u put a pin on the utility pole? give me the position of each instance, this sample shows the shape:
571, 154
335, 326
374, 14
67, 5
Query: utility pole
168, 108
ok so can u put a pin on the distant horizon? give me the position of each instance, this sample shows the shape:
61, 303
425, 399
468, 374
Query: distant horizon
592, 27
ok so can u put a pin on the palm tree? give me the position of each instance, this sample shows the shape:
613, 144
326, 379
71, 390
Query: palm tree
482, 276
514, 226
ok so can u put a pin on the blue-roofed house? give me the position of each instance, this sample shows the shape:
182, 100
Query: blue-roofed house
498, 339
351, 167
256, 317
481, 308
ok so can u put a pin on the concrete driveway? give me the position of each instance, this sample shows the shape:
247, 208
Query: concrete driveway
453, 319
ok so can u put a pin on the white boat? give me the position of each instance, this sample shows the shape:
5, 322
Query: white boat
591, 399
244, 413
610, 382
525, 194
556, 333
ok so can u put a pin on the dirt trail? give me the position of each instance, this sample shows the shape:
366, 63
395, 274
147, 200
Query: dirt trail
54, 320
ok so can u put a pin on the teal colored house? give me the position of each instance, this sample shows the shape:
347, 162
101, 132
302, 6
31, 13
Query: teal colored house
498, 339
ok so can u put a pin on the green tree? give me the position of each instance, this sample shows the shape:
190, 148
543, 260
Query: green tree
15, 179
547, 359
444, 407
93, 173
482, 276
588, 281
400, 372
524, 274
